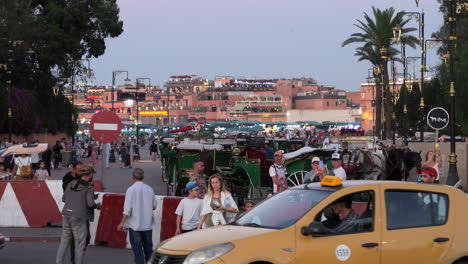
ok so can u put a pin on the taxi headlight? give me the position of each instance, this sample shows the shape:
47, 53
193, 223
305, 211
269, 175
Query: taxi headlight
209, 253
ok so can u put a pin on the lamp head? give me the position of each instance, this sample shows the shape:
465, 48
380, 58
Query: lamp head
397, 34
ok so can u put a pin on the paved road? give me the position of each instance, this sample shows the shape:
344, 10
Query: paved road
45, 252
118, 179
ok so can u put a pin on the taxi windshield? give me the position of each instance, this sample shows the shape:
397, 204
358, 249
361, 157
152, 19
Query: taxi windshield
283, 209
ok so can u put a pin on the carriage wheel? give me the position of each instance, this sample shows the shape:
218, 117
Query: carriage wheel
296, 178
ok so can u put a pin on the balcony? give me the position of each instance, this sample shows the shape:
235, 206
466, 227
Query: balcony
242, 88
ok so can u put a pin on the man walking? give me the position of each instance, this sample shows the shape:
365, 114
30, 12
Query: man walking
77, 211
153, 150
138, 217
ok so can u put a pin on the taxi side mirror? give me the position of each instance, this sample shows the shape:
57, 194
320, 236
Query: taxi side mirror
315, 229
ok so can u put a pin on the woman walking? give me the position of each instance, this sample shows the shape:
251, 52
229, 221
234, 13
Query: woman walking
94, 153
219, 208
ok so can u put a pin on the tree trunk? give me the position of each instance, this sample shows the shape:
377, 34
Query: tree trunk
387, 104
378, 108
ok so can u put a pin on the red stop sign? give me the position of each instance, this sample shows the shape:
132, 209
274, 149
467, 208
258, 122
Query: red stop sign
105, 126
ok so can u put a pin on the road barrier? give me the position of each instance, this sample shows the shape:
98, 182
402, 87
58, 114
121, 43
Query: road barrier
32, 203
39, 204
104, 228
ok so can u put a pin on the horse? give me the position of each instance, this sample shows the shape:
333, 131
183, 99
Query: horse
371, 165
402, 164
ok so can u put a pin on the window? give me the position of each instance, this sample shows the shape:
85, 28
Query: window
293, 204
359, 210
406, 209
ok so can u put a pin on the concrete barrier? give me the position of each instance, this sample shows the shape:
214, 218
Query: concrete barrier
31, 203
104, 228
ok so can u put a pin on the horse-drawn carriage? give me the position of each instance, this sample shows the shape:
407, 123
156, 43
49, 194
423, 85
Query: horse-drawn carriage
177, 158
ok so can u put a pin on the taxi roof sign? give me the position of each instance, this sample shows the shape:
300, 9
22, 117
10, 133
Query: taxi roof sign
331, 181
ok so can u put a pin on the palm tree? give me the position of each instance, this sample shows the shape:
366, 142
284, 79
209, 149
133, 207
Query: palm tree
377, 36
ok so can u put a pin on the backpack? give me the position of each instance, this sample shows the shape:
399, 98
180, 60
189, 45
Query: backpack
25, 171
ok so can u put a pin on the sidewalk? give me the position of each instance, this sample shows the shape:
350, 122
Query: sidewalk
22, 234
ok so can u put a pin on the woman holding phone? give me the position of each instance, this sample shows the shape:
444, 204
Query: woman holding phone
219, 208
318, 171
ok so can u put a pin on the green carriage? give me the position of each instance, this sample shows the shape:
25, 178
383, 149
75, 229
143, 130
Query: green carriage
177, 158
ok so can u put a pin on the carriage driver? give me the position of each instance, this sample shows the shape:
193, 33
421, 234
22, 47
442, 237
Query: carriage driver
278, 173
337, 168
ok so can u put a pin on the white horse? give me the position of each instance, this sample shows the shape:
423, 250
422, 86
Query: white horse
371, 164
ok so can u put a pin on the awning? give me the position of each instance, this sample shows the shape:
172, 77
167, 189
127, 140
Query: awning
239, 107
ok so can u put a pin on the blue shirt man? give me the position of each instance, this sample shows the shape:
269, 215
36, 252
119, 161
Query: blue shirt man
138, 217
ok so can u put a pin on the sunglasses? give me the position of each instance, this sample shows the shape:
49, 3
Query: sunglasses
195, 189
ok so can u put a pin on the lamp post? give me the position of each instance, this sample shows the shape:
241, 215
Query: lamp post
137, 107
114, 73
384, 95
452, 178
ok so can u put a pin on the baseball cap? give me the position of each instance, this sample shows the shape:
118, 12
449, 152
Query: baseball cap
315, 159
429, 170
336, 156
86, 170
190, 185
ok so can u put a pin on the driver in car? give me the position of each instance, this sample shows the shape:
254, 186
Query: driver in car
349, 218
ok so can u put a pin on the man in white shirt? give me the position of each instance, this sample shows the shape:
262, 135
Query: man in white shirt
138, 217
278, 173
189, 209
337, 168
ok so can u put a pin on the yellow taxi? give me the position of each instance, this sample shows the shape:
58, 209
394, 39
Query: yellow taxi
336, 222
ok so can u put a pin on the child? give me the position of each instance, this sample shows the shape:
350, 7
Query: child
42, 174
189, 209
248, 205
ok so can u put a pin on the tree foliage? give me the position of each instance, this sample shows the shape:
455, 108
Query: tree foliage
376, 32
442, 78
60, 33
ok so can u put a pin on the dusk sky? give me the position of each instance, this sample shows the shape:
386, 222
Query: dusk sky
247, 38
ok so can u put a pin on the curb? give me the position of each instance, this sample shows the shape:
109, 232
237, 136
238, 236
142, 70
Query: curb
32, 239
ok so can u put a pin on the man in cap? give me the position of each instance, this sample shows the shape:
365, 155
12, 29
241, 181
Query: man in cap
338, 170
77, 211
278, 173
317, 172
189, 209
427, 175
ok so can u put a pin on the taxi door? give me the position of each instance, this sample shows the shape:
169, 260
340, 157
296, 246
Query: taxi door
415, 228
352, 248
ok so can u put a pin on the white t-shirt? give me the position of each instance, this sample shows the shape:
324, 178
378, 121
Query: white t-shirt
20, 162
190, 210
280, 172
340, 172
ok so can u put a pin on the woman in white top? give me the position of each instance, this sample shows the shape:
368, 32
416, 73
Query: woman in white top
434, 160
23, 160
218, 205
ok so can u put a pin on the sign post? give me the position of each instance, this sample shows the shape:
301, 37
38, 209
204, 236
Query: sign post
105, 127
438, 119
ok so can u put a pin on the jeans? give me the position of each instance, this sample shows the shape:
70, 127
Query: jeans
142, 245
72, 243
72, 227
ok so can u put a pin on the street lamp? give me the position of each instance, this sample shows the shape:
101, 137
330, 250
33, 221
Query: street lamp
114, 73
138, 80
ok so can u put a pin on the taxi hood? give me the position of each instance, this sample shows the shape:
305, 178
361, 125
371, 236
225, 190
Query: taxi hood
187, 242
